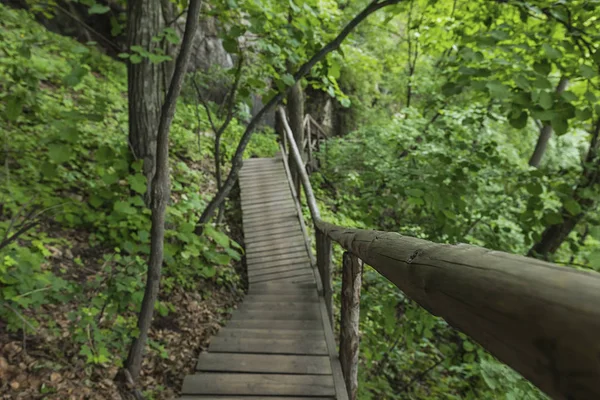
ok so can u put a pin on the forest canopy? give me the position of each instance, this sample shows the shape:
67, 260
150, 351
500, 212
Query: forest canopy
124, 125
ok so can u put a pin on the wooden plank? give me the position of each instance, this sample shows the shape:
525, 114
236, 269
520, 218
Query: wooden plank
260, 363
275, 244
277, 270
261, 237
253, 195
262, 268
304, 346
290, 226
294, 261
281, 287
280, 305
299, 280
209, 397
308, 313
270, 210
267, 333
275, 324
269, 218
278, 257
258, 384
263, 183
268, 205
250, 253
298, 298
277, 277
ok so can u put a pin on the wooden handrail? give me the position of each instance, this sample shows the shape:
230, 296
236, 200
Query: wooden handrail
541, 319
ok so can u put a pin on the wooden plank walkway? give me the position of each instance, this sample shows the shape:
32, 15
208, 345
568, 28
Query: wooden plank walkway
279, 343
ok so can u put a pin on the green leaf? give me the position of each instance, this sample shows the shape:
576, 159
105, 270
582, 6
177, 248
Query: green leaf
334, 69
522, 82
542, 83
535, 188
519, 121
497, 89
135, 59
137, 183
551, 52
288, 79
560, 125
587, 71
415, 192
584, 114
230, 45
542, 67
595, 232
124, 207
553, 218
545, 100
14, 107
572, 206
59, 153
98, 9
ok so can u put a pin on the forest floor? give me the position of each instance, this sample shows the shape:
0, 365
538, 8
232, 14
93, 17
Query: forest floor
48, 364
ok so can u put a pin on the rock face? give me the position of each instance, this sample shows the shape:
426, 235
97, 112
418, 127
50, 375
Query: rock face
208, 50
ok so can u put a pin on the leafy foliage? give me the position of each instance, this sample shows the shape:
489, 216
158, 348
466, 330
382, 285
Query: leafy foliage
66, 159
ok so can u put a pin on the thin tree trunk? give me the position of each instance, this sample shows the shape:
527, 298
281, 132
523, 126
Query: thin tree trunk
545, 132
236, 163
555, 235
295, 106
161, 193
144, 84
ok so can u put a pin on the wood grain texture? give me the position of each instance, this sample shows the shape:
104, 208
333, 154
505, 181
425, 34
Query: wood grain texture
258, 384
310, 325
261, 363
275, 344
300, 346
350, 314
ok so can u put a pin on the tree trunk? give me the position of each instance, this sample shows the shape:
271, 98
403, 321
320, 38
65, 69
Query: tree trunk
555, 235
236, 162
545, 132
144, 84
295, 108
161, 193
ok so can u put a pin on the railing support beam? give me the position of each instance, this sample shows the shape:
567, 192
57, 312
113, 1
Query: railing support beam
324, 266
350, 314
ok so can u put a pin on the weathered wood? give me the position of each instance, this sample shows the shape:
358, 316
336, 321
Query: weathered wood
279, 275
336, 369
278, 288
302, 346
280, 305
267, 333
274, 245
539, 318
209, 397
277, 270
324, 267
268, 268
276, 314
260, 363
271, 237
350, 313
258, 384
276, 251
273, 258
274, 228
298, 298
274, 218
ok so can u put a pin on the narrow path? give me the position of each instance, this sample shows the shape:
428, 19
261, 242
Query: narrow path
278, 343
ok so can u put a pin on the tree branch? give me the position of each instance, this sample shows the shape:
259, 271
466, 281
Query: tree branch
302, 71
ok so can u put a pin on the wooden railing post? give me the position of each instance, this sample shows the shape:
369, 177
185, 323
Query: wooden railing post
350, 312
324, 266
